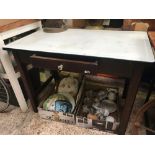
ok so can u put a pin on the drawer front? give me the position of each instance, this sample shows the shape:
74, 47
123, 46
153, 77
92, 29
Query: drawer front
86, 67
118, 68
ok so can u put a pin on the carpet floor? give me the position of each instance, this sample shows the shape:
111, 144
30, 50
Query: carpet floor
15, 122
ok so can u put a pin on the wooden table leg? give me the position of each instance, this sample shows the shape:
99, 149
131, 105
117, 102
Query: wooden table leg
126, 85
151, 86
27, 82
130, 98
35, 78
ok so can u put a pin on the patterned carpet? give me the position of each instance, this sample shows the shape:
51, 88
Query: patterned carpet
17, 123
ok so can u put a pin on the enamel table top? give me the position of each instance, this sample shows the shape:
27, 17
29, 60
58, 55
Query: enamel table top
124, 45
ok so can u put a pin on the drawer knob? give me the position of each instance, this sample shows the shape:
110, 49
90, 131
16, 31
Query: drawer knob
87, 72
60, 67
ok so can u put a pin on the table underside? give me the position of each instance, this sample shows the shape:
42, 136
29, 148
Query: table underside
121, 68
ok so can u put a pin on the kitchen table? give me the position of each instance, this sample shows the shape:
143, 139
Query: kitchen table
121, 53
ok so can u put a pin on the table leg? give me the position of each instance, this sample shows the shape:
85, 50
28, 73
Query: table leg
126, 85
35, 78
151, 86
27, 82
130, 98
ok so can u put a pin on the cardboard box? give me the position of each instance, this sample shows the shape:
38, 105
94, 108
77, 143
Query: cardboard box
60, 116
83, 121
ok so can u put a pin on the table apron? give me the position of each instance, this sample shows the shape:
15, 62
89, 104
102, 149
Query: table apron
93, 66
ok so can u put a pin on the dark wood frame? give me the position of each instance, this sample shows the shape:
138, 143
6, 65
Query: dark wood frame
130, 70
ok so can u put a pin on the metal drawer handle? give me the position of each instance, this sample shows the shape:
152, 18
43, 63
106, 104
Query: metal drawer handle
87, 72
60, 67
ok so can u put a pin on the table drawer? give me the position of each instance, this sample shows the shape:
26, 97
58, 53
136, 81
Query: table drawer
87, 67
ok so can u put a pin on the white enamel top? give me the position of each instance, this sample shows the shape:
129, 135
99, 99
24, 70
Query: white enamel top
125, 45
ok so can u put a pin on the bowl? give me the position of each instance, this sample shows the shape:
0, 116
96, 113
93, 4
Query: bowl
54, 30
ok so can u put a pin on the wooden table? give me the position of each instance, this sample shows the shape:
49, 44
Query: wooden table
9, 24
151, 35
121, 53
